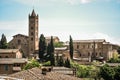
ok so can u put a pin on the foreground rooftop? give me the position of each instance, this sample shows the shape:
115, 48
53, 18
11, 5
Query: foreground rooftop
36, 74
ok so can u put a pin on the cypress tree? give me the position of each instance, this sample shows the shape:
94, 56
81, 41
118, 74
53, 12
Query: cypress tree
3, 42
67, 63
52, 59
71, 48
42, 47
60, 61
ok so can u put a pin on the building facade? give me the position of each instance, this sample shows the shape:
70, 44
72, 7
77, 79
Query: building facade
11, 61
27, 44
94, 49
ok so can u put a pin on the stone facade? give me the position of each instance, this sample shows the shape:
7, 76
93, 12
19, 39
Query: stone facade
11, 61
20, 41
27, 44
10, 53
94, 49
55, 39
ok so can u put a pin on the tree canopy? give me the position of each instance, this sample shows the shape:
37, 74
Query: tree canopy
42, 47
3, 42
71, 47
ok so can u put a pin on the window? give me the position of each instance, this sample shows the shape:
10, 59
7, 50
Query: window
31, 39
31, 27
6, 67
83, 46
31, 33
19, 41
31, 49
77, 46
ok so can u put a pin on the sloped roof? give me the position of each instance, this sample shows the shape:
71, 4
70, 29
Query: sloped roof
35, 74
33, 13
12, 60
20, 35
9, 50
91, 40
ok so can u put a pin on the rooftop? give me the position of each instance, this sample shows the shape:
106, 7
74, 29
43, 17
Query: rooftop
12, 60
9, 50
20, 35
35, 74
91, 40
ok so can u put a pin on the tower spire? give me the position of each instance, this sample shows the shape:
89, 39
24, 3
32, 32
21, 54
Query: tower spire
33, 13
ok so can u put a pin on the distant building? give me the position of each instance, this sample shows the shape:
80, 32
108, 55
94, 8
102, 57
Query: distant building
27, 44
55, 39
94, 49
11, 61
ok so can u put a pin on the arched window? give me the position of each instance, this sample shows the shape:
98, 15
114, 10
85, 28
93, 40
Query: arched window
77, 46
19, 41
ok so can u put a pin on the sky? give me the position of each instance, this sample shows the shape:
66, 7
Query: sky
82, 19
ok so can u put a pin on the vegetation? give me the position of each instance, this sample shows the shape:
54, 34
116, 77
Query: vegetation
42, 47
60, 62
110, 73
3, 42
71, 47
32, 63
50, 52
107, 72
47, 63
67, 63
114, 60
84, 71
58, 44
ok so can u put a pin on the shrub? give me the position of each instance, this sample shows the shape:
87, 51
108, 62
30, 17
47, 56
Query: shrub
47, 63
31, 64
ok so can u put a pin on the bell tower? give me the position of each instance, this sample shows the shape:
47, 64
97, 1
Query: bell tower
33, 33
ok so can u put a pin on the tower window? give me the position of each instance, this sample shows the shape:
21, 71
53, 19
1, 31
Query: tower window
31, 33
77, 46
31, 39
31, 27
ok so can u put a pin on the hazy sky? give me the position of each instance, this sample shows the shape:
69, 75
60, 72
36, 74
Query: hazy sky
82, 19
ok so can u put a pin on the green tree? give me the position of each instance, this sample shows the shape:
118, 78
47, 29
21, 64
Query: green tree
51, 45
50, 52
42, 47
71, 47
58, 44
117, 73
3, 42
32, 64
52, 59
60, 62
107, 72
67, 63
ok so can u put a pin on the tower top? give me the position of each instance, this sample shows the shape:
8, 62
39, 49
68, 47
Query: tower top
33, 13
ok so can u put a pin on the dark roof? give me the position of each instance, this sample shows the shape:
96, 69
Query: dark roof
33, 13
35, 74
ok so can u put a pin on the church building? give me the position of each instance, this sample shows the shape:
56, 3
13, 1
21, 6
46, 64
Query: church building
28, 45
